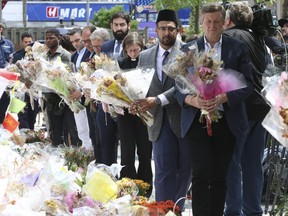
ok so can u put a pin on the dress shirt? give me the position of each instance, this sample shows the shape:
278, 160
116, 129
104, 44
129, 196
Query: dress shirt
218, 48
160, 57
79, 58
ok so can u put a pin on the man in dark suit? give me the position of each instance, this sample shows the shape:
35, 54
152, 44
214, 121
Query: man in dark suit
27, 118
120, 25
211, 155
171, 152
82, 53
81, 118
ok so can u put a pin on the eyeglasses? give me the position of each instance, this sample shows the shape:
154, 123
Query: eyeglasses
133, 50
97, 46
169, 28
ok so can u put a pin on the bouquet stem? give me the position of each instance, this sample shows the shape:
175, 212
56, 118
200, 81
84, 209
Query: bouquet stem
209, 125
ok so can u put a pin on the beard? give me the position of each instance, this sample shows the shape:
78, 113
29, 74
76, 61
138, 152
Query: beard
167, 41
120, 35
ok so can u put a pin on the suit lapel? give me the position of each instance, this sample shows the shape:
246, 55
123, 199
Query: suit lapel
86, 55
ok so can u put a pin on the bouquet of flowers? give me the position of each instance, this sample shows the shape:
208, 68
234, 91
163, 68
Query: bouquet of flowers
161, 208
134, 187
78, 158
87, 68
201, 74
122, 88
275, 91
56, 77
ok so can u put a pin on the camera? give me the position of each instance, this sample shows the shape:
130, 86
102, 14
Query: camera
264, 22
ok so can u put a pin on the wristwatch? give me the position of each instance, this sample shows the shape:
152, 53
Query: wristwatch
158, 101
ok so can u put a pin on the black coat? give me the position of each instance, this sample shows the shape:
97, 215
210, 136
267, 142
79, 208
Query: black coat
256, 107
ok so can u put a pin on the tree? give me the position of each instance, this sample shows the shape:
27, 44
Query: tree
103, 17
178, 4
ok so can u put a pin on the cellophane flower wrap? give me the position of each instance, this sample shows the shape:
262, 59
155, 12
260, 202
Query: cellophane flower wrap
54, 76
57, 77
275, 91
121, 88
200, 73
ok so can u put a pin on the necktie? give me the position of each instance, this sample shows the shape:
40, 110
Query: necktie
117, 49
166, 53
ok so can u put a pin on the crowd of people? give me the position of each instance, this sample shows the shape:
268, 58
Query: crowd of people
225, 168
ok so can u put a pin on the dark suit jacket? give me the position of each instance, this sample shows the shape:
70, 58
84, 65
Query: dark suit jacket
75, 55
148, 59
18, 55
108, 48
235, 56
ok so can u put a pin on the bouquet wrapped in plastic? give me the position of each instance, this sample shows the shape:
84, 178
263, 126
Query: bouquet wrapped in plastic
100, 183
275, 92
56, 77
122, 88
87, 68
201, 74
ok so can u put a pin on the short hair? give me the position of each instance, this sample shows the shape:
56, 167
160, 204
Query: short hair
91, 28
133, 38
100, 33
121, 15
240, 13
213, 7
26, 34
54, 31
66, 43
74, 31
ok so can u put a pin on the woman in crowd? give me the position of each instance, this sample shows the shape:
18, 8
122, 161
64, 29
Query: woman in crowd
132, 131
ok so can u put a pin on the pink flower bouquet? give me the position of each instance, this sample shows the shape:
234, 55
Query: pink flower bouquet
204, 76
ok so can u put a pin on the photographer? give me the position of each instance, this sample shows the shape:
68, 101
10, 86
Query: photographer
246, 167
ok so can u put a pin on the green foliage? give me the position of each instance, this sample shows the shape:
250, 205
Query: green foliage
103, 17
282, 208
134, 25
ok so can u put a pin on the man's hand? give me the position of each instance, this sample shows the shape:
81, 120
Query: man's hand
209, 105
76, 94
87, 94
146, 104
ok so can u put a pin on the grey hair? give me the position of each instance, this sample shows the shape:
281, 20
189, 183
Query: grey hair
100, 33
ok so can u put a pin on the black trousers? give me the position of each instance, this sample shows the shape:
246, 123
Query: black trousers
107, 127
133, 133
94, 133
27, 118
211, 156
57, 124
4, 103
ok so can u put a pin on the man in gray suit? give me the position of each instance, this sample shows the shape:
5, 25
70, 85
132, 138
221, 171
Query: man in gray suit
171, 153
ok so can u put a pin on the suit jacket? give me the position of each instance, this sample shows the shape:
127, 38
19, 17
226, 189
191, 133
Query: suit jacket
20, 54
235, 56
147, 59
75, 55
108, 48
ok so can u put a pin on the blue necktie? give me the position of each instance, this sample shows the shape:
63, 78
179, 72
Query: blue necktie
166, 53
117, 49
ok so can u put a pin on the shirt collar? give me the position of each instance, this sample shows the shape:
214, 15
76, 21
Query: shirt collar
82, 50
217, 45
161, 50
